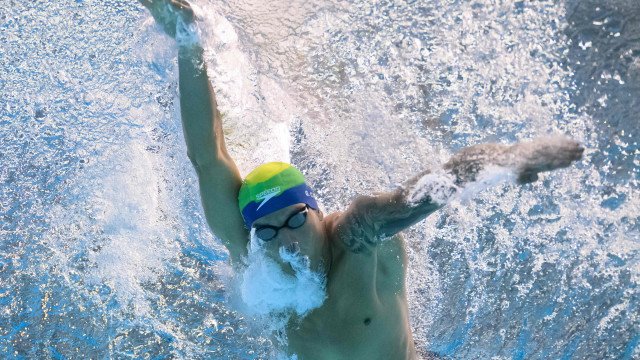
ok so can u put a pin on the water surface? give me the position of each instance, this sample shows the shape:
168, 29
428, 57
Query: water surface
104, 251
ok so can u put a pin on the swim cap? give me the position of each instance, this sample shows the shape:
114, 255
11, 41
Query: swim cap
271, 187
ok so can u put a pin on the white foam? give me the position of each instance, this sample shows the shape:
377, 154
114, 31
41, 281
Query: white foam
256, 109
267, 290
489, 176
134, 247
438, 187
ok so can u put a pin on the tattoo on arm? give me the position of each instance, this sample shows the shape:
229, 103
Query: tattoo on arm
356, 238
372, 219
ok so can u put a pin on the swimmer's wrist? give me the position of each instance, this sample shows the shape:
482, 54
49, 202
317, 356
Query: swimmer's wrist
187, 34
190, 49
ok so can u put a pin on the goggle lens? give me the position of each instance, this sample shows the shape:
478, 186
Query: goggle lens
266, 233
297, 220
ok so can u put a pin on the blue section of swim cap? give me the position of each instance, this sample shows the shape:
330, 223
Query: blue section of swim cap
295, 195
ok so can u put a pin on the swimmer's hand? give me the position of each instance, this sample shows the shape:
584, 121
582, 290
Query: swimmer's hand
172, 15
543, 154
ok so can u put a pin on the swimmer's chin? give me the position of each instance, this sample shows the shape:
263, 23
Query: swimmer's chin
287, 268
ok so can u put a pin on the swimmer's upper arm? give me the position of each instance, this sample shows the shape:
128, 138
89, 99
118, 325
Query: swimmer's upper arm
219, 185
218, 175
371, 219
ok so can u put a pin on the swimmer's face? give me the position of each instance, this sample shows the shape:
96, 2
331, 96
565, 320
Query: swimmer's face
307, 238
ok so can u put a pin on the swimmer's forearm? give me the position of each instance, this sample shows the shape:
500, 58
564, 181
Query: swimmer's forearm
218, 174
432, 189
200, 116
466, 165
370, 220
524, 159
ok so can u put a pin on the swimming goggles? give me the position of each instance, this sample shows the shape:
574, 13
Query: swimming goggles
268, 232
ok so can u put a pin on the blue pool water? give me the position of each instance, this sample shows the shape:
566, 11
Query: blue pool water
104, 252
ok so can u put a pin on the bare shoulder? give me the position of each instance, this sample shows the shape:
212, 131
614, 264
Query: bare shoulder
331, 225
381, 267
351, 230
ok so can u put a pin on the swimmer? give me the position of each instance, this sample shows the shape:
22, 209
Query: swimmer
359, 253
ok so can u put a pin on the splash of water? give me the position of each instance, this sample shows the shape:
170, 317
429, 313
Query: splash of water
439, 187
267, 290
549, 270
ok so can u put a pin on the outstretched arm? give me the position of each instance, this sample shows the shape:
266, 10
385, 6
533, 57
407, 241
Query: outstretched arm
217, 173
369, 219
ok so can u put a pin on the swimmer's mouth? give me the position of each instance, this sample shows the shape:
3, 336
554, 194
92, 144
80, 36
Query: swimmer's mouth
292, 257
293, 248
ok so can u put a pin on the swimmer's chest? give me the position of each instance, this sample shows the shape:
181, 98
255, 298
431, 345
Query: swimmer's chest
365, 311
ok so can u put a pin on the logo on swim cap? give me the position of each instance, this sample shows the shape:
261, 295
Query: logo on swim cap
271, 187
267, 195
264, 194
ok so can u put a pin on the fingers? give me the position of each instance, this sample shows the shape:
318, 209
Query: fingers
577, 153
574, 150
180, 5
568, 148
568, 155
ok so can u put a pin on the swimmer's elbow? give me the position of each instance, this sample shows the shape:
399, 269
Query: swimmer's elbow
199, 163
202, 163
387, 214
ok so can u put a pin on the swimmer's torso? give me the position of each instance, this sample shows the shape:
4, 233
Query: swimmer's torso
365, 314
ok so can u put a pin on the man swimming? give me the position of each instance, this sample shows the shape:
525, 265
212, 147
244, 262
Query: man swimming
355, 259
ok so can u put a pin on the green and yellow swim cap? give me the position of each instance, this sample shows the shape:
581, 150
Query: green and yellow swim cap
271, 187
